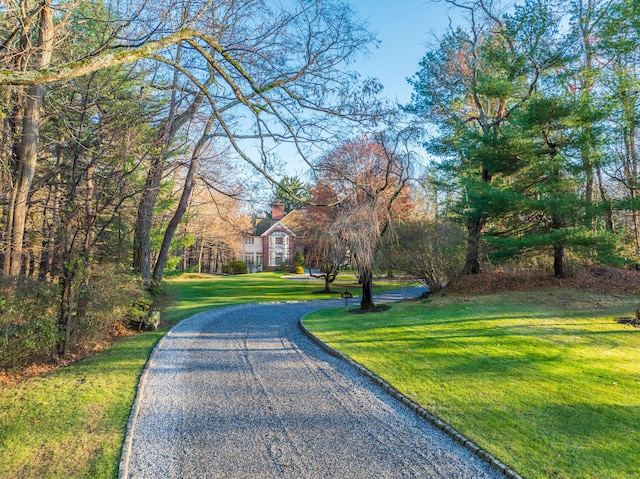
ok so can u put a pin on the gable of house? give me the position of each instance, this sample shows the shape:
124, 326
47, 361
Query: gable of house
273, 242
278, 244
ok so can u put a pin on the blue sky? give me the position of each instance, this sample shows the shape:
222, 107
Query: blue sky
405, 28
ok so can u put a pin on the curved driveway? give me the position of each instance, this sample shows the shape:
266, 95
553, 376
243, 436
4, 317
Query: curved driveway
241, 392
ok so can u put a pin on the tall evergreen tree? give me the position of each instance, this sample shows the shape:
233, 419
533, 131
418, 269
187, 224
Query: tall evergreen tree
293, 193
471, 86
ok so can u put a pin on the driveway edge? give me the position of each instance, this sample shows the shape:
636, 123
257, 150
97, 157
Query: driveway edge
123, 468
415, 407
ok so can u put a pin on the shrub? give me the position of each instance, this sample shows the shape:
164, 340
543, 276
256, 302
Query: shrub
101, 306
28, 321
433, 252
235, 267
115, 300
139, 310
295, 265
172, 263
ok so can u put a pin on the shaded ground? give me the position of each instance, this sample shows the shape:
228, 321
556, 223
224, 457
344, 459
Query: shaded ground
600, 279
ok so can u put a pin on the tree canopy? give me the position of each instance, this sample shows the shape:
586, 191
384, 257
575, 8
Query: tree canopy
535, 118
116, 113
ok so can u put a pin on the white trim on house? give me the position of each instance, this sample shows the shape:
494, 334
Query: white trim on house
277, 244
277, 224
251, 253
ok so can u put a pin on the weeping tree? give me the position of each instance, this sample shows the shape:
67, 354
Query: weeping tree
327, 252
366, 178
359, 229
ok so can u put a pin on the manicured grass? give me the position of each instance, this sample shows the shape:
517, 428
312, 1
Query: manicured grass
548, 381
194, 293
71, 422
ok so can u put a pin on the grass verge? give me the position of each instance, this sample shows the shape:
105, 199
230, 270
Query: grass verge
547, 381
70, 423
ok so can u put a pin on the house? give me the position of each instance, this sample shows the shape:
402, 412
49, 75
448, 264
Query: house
274, 241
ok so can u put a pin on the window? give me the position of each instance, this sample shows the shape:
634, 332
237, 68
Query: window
258, 259
278, 238
279, 259
248, 240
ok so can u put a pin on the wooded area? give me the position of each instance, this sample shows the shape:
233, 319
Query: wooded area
132, 132
535, 113
127, 124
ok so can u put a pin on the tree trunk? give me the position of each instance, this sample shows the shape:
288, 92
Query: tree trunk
472, 261
367, 289
606, 199
65, 316
200, 255
28, 156
631, 176
13, 127
559, 270
89, 244
327, 284
189, 183
8, 234
142, 234
587, 23
48, 268
589, 185
28, 149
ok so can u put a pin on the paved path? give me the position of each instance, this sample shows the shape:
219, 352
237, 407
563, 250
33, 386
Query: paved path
241, 392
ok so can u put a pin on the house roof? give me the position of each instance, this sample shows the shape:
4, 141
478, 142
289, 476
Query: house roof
291, 222
294, 221
277, 225
262, 225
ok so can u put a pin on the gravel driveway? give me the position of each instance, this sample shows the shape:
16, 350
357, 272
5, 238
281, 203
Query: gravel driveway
241, 392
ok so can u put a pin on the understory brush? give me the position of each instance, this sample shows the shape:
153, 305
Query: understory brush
27, 321
33, 324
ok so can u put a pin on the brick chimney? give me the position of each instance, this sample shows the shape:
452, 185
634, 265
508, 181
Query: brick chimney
277, 211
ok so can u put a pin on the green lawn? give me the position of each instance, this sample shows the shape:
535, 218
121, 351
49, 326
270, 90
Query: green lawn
194, 293
548, 381
71, 423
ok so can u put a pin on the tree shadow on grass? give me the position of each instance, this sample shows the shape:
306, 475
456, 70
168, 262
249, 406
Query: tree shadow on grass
375, 309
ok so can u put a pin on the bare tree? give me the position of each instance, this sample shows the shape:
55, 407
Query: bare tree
325, 252
216, 222
280, 70
367, 177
